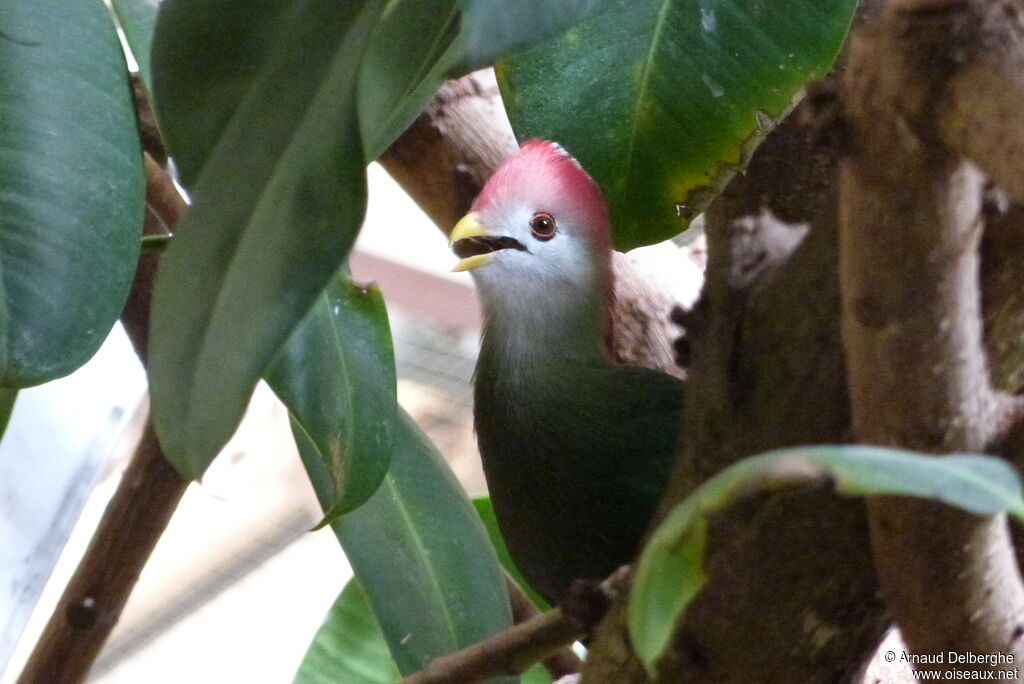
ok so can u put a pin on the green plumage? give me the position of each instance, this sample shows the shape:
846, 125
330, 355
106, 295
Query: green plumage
576, 449
576, 455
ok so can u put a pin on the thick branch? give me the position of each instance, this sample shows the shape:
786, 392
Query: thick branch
164, 205
909, 271
980, 113
768, 369
137, 514
446, 156
767, 372
1002, 263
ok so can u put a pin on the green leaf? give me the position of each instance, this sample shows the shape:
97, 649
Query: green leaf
670, 571
71, 186
7, 398
137, 18
256, 100
662, 100
420, 553
485, 509
396, 84
439, 41
492, 28
336, 375
536, 675
349, 647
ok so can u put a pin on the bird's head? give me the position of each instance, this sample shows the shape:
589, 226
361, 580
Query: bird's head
540, 221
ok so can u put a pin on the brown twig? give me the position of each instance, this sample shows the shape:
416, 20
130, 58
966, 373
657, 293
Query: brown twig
92, 602
909, 270
519, 647
164, 205
562, 662
135, 517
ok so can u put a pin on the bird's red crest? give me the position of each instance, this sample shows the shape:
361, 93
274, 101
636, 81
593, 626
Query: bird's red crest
552, 178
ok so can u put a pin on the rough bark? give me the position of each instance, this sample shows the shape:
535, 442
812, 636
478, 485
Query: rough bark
792, 595
768, 371
979, 48
443, 160
1002, 263
911, 221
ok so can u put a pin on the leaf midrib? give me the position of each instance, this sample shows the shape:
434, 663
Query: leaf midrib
428, 63
422, 552
236, 248
645, 78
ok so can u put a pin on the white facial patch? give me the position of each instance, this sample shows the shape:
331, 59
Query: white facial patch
563, 261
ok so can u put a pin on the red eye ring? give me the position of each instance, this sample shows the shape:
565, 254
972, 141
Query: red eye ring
542, 225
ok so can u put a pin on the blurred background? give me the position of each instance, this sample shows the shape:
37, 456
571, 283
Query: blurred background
219, 600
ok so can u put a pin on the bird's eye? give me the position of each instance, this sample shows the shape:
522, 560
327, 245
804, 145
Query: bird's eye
542, 226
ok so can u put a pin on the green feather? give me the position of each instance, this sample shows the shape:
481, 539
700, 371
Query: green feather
576, 455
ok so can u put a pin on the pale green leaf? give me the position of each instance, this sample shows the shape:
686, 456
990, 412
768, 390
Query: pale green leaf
670, 571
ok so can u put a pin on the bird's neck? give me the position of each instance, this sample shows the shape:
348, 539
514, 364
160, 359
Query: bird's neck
531, 330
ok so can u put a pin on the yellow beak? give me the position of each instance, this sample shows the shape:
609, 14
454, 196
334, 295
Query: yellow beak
469, 227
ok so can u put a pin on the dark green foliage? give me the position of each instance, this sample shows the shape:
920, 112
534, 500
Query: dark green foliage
336, 375
256, 101
662, 100
349, 647
421, 554
71, 186
137, 18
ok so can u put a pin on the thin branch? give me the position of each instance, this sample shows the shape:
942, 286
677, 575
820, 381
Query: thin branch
164, 206
135, 517
517, 648
92, 602
562, 662
910, 211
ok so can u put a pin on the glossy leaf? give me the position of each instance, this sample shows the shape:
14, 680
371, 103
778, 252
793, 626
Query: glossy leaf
536, 675
670, 571
420, 553
396, 84
662, 100
442, 39
256, 100
336, 375
7, 398
492, 28
137, 18
485, 509
349, 647
71, 186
